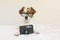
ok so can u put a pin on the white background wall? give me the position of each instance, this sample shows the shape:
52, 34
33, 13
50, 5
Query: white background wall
48, 11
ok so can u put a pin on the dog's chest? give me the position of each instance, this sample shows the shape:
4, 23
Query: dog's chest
23, 21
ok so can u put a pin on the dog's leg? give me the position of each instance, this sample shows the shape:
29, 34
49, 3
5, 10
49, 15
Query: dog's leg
36, 33
17, 33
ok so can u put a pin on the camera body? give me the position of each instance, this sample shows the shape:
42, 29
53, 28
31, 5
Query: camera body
26, 29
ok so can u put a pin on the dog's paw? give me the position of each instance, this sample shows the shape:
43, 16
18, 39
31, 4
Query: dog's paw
16, 34
36, 32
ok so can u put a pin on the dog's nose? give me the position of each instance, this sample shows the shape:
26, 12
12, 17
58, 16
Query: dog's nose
26, 17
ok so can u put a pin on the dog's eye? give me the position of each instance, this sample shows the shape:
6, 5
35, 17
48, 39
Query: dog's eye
26, 12
30, 12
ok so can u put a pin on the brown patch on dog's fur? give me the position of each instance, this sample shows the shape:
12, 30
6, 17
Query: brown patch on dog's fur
30, 11
21, 10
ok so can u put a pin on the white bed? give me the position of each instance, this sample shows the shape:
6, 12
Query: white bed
47, 32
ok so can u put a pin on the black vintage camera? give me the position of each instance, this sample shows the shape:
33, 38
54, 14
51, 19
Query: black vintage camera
26, 29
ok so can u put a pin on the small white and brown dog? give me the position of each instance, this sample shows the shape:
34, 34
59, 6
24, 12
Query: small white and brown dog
27, 13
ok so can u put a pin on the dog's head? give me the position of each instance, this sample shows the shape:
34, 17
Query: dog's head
27, 12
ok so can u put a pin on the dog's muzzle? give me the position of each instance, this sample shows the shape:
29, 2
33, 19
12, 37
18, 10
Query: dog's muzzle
26, 17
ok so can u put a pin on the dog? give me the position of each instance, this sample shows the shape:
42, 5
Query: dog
27, 13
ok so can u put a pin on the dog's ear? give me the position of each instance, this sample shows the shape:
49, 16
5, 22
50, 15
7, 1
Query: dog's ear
33, 10
21, 10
